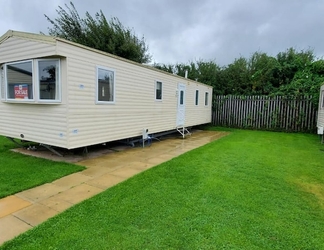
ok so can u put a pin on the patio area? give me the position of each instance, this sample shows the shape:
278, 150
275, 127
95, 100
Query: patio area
26, 209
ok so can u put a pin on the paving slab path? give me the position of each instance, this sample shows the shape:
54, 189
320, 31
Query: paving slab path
28, 208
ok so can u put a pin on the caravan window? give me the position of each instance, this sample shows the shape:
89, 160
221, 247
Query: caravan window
206, 98
197, 97
181, 97
158, 90
48, 79
105, 85
20, 80
35, 80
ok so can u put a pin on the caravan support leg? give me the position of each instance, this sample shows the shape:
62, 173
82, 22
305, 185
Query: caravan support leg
17, 143
51, 149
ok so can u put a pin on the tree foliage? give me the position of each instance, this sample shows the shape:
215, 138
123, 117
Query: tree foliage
99, 33
290, 73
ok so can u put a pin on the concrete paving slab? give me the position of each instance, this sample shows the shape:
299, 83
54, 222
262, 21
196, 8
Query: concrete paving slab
140, 165
126, 172
126, 159
146, 154
138, 156
56, 203
98, 171
71, 180
105, 181
40, 193
10, 227
35, 214
168, 156
105, 162
157, 160
11, 204
78, 193
190, 147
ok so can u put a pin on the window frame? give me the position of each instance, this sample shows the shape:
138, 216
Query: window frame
182, 97
322, 100
206, 98
197, 97
35, 82
97, 85
6, 83
2, 82
156, 89
57, 82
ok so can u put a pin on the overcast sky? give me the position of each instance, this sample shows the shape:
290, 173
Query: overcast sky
180, 31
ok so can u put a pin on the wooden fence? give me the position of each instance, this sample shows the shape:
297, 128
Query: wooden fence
265, 113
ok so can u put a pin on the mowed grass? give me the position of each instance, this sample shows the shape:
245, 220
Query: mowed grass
249, 190
20, 172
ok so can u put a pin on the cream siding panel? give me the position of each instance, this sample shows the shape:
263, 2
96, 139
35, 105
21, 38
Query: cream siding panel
198, 114
42, 123
14, 49
320, 115
135, 107
38, 123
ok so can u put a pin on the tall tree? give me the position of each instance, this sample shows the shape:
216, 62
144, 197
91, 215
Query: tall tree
292, 61
99, 33
236, 76
165, 67
262, 69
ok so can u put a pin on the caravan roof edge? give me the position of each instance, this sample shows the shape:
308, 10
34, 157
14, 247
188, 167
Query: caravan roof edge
53, 40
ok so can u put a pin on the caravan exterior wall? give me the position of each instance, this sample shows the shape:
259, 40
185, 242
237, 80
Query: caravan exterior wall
103, 98
38, 122
320, 115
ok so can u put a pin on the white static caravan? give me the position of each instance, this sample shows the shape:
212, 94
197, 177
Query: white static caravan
59, 93
320, 114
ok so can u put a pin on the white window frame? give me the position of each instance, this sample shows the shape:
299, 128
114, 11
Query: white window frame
155, 89
58, 85
97, 85
322, 100
2, 82
206, 98
197, 97
35, 83
6, 83
182, 97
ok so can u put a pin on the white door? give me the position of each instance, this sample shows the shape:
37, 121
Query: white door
181, 114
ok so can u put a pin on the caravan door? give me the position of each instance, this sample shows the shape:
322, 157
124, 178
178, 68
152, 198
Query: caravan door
181, 113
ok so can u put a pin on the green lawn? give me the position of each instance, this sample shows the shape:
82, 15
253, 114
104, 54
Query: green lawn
20, 172
249, 190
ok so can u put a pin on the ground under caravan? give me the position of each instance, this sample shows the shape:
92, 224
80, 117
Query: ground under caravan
63, 94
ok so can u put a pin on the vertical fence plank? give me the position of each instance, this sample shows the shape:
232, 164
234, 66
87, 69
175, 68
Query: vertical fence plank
263, 112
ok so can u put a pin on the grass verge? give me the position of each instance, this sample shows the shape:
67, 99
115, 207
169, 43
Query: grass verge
20, 172
249, 190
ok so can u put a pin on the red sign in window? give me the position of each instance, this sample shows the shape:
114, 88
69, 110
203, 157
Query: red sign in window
21, 91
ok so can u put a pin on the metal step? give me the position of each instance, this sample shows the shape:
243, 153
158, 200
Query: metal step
183, 131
